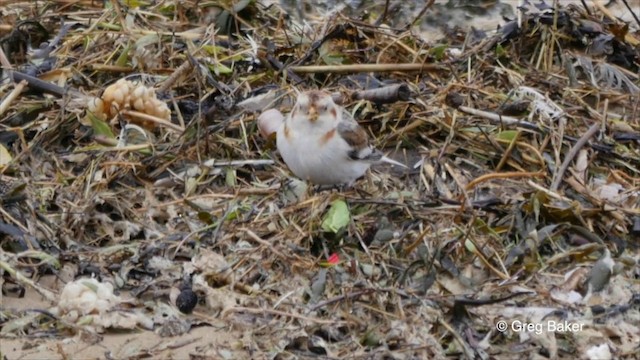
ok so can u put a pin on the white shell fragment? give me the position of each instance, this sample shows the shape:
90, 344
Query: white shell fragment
86, 298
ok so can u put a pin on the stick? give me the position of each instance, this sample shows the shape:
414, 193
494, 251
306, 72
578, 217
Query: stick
341, 69
4, 105
506, 120
631, 11
384, 95
572, 153
421, 14
153, 119
37, 84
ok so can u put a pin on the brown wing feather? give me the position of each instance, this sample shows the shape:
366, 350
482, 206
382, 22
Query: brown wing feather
353, 134
357, 138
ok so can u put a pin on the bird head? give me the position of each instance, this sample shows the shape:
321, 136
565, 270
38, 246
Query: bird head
317, 107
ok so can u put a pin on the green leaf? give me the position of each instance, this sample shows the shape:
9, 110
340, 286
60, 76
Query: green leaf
42, 256
482, 226
148, 39
136, 3
214, 50
500, 51
371, 338
167, 9
109, 26
232, 215
333, 59
330, 56
206, 217
507, 135
438, 51
100, 127
123, 59
220, 69
230, 177
470, 246
337, 218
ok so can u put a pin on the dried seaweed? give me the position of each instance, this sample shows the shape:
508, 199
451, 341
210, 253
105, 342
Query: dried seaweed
524, 174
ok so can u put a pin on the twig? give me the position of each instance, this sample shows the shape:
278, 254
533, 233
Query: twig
111, 68
463, 344
12, 96
179, 72
189, 235
4, 61
4, 213
112, 145
260, 241
383, 95
584, 4
285, 314
340, 298
43, 53
421, 13
171, 345
498, 119
502, 175
154, 119
507, 153
572, 153
604, 10
17, 275
384, 13
633, 13
273, 60
507, 120
352, 68
37, 84
250, 162
550, 193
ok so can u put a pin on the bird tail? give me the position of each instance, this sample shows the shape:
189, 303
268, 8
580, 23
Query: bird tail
374, 156
393, 162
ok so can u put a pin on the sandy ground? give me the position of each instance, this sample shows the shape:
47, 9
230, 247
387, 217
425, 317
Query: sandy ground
488, 21
201, 341
207, 342
493, 18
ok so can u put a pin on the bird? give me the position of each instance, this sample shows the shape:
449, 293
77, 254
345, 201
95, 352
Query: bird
323, 144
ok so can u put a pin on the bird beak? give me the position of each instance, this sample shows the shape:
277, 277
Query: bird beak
313, 114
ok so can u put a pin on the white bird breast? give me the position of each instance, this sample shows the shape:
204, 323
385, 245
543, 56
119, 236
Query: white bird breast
309, 159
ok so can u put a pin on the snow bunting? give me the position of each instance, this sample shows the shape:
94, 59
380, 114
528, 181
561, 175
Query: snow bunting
321, 143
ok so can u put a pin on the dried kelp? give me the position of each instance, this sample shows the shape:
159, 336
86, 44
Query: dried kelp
520, 205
